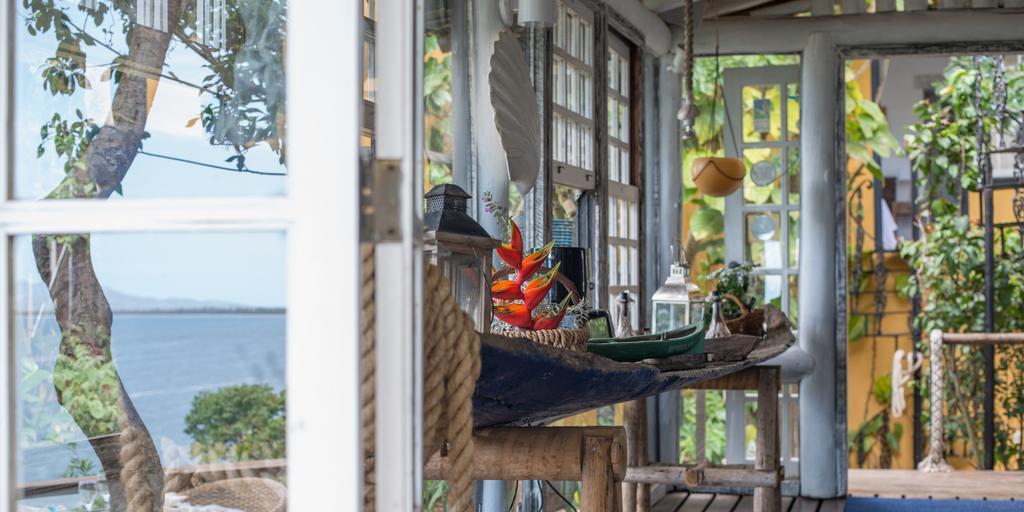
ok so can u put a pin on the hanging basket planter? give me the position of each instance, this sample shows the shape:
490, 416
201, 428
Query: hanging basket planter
718, 176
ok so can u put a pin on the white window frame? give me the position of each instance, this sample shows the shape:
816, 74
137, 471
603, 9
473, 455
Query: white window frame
576, 176
320, 216
734, 80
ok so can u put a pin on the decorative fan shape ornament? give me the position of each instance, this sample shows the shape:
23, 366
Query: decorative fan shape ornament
515, 111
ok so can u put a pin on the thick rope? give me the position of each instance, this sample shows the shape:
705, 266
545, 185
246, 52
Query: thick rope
451, 367
368, 366
134, 460
688, 51
935, 462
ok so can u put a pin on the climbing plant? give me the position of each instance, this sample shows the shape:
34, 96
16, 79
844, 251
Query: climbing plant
948, 259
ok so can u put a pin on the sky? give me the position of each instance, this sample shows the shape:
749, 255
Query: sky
242, 268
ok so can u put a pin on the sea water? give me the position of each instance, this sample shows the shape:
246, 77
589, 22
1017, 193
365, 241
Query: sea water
164, 360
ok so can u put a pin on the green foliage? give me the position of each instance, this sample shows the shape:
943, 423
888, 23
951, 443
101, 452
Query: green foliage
948, 260
878, 430
714, 431
88, 387
437, 108
237, 423
734, 280
435, 495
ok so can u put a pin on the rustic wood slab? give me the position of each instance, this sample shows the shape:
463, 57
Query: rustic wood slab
523, 383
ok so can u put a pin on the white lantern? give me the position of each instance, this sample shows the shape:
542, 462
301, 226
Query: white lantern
678, 302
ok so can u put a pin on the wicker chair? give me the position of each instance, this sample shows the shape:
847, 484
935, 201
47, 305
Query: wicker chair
246, 494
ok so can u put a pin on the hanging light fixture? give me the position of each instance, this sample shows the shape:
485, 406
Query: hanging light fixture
537, 13
688, 112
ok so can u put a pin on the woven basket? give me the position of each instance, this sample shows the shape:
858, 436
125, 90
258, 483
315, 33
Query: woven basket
247, 494
573, 340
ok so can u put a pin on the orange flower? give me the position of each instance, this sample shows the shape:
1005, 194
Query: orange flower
516, 315
537, 288
512, 252
551, 319
506, 290
532, 262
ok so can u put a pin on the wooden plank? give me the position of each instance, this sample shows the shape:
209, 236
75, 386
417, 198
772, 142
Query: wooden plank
964, 485
954, 4
704, 476
597, 492
787, 503
852, 6
915, 5
746, 504
805, 505
885, 5
697, 503
636, 497
960, 31
723, 503
768, 499
983, 338
670, 503
836, 505
822, 7
746, 379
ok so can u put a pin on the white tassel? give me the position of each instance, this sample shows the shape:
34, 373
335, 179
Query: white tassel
901, 375
152, 14
211, 23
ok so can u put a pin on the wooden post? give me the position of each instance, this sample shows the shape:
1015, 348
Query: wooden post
768, 499
636, 497
598, 492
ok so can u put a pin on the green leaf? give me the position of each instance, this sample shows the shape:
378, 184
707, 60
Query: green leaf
856, 328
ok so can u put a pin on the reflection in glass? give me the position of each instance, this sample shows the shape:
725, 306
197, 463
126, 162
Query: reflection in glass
151, 98
764, 246
160, 353
762, 113
763, 184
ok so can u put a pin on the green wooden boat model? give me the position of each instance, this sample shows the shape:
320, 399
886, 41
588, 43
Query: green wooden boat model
685, 340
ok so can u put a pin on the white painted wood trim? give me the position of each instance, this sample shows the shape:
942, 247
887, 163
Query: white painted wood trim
8, 454
205, 214
324, 454
789, 35
399, 340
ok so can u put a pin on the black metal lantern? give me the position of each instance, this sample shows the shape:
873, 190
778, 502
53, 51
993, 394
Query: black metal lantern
462, 248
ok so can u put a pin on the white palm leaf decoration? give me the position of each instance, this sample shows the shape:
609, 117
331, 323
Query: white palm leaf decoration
515, 111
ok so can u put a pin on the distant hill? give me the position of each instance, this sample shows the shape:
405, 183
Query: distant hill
126, 303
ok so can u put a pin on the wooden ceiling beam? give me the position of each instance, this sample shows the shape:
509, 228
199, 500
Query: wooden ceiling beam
894, 32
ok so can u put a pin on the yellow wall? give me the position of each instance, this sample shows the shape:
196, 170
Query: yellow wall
877, 351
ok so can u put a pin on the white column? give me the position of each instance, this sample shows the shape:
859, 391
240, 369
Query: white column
670, 188
820, 466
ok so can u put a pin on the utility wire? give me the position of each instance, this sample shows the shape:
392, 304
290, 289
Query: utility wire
567, 502
212, 166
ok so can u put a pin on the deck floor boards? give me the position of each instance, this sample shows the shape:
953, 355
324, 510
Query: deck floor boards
686, 502
963, 485
697, 502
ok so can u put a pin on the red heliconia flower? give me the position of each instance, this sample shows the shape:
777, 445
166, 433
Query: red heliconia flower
532, 262
516, 315
512, 252
506, 290
552, 319
537, 288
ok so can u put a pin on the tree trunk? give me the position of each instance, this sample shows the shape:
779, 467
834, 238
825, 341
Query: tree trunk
64, 262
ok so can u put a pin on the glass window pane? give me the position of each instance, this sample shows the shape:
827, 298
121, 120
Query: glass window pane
763, 183
793, 302
206, 118
794, 239
764, 246
793, 111
762, 113
793, 158
564, 213
179, 335
768, 289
